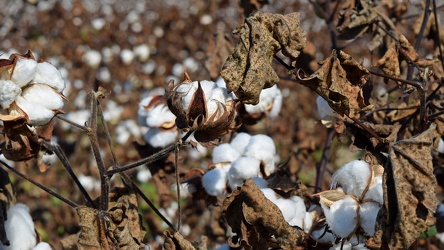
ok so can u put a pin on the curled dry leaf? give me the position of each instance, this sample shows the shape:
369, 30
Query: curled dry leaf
409, 192
176, 241
118, 228
363, 140
20, 143
389, 63
355, 19
339, 81
248, 69
254, 219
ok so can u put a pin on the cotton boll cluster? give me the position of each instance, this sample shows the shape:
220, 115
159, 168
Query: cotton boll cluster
355, 199
238, 161
154, 115
30, 89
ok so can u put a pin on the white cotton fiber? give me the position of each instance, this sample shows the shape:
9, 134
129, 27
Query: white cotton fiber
287, 208
269, 194
367, 214
342, 216
43, 95
48, 74
225, 153
37, 114
308, 222
214, 181
24, 71
262, 147
159, 115
160, 139
321, 235
375, 190
8, 92
300, 211
20, 228
242, 169
240, 142
42, 246
260, 182
352, 177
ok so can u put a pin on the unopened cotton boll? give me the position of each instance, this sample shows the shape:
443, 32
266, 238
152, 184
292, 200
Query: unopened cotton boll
262, 147
242, 169
19, 228
342, 216
214, 182
352, 177
240, 142
225, 153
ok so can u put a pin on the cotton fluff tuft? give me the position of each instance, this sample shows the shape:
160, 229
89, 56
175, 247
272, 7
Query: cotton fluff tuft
160, 139
225, 153
287, 208
341, 216
214, 181
8, 92
19, 228
352, 177
242, 169
270, 100
367, 214
269, 194
240, 142
48, 74
299, 216
24, 71
262, 147
42, 246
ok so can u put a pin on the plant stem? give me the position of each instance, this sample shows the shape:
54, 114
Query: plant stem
322, 165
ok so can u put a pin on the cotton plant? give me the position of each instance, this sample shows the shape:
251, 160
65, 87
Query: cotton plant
159, 122
354, 199
30, 89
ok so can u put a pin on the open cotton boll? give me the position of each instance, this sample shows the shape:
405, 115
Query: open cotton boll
262, 147
8, 92
277, 104
242, 169
93, 58
24, 71
42, 246
375, 191
159, 115
367, 214
43, 95
342, 216
225, 153
352, 177
188, 91
266, 99
240, 142
308, 222
287, 208
214, 181
269, 194
19, 228
160, 139
48, 74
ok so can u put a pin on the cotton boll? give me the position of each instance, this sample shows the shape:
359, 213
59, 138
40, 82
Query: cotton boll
308, 222
48, 74
42, 246
260, 182
342, 216
187, 90
367, 214
225, 153
352, 177
242, 169
160, 139
287, 208
375, 191
43, 95
19, 228
300, 211
240, 142
277, 104
269, 194
262, 147
214, 181
8, 92
127, 56
93, 58
440, 148
142, 52
159, 115
24, 71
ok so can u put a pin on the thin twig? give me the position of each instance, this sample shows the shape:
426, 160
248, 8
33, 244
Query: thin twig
412, 83
176, 162
65, 162
92, 134
84, 128
49, 191
322, 165
437, 33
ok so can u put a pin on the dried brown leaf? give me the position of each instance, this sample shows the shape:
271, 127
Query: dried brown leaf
248, 69
355, 19
176, 241
118, 228
339, 81
363, 140
409, 192
389, 62
254, 219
